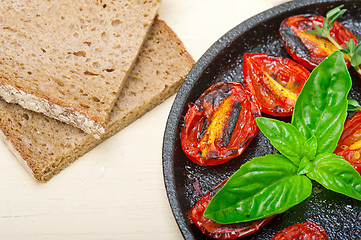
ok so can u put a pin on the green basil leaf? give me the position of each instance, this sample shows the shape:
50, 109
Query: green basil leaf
305, 166
284, 137
320, 108
336, 174
261, 188
310, 148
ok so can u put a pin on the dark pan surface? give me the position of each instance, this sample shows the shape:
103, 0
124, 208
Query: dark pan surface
339, 215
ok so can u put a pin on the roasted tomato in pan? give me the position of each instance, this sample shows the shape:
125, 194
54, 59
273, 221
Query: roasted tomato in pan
220, 124
302, 231
217, 230
275, 82
307, 49
349, 145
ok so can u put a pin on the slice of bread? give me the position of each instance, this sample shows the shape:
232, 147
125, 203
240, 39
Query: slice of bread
46, 146
68, 58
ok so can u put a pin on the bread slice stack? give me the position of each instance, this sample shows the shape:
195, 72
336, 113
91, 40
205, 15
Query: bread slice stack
46, 146
68, 59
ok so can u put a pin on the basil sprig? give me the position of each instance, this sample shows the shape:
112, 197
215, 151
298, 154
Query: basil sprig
272, 184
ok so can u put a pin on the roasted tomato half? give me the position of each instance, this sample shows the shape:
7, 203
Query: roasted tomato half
307, 49
220, 124
217, 230
302, 231
349, 145
275, 82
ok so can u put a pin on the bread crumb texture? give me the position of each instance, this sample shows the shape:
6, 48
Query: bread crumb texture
73, 54
47, 146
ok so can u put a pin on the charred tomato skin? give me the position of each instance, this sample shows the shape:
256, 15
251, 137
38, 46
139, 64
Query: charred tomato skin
275, 82
310, 50
349, 145
302, 231
219, 125
221, 231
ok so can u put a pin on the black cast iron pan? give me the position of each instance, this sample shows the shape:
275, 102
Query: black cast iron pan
339, 215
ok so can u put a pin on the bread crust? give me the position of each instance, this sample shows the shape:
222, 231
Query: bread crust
51, 109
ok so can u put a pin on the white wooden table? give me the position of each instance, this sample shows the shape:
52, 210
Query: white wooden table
116, 191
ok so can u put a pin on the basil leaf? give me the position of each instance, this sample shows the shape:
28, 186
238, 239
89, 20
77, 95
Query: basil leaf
310, 148
320, 108
305, 166
261, 188
336, 174
284, 137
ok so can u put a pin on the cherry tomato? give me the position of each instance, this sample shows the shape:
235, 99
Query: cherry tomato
349, 145
217, 230
307, 49
220, 124
274, 81
302, 231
